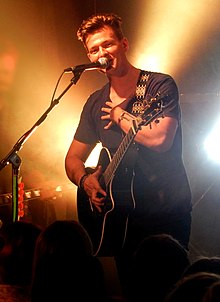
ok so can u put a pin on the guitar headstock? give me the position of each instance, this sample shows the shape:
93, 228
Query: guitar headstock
155, 107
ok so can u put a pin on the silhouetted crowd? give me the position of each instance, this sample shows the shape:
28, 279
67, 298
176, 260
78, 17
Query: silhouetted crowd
56, 263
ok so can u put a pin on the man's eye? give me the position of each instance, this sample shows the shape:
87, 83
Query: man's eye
93, 51
108, 45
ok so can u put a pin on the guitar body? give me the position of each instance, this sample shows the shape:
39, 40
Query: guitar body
108, 229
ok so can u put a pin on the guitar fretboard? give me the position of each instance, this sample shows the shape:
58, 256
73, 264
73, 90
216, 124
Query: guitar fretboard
118, 156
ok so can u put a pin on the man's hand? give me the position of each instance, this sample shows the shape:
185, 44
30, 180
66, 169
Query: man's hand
93, 189
107, 116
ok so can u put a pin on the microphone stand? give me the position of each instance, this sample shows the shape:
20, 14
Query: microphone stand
13, 158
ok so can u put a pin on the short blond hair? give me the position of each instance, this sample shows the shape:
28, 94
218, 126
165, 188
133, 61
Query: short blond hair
98, 21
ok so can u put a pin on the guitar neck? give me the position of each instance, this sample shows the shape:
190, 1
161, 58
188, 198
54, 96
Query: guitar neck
119, 155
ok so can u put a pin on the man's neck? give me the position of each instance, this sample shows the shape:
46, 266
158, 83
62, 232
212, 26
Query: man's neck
123, 87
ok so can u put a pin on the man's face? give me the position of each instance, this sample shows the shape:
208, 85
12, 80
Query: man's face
7, 72
104, 43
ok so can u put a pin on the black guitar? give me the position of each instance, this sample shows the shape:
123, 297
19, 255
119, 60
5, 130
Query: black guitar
108, 229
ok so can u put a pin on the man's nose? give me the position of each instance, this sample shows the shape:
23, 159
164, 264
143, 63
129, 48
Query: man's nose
102, 52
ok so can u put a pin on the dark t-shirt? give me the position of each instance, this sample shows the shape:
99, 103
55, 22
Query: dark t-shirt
160, 184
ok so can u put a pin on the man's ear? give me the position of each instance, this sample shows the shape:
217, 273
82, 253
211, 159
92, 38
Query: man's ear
88, 55
125, 44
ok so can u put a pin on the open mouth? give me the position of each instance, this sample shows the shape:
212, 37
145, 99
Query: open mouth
109, 65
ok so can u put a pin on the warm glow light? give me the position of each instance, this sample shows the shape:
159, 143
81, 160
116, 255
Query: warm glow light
94, 156
170, 33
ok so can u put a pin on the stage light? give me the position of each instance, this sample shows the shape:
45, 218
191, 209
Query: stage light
212, 143
94, 156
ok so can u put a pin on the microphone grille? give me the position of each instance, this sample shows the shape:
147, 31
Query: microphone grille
104, 62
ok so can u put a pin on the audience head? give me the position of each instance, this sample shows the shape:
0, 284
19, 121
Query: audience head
159, 261
204, 264
16, 255
64, 265
192, 287
213, 293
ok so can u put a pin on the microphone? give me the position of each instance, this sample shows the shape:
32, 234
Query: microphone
101, 63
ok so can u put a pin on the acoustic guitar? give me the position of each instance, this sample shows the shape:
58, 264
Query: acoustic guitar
108, 229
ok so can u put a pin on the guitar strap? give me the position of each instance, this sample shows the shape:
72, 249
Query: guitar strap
137, 109
140, 103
